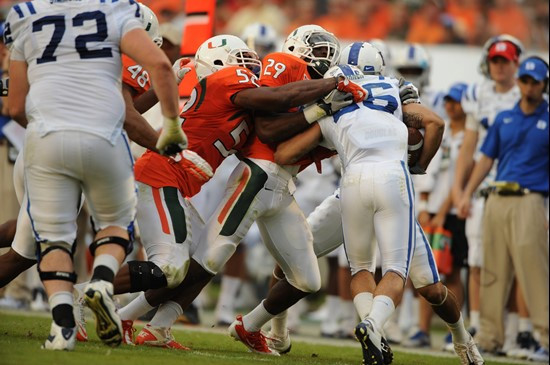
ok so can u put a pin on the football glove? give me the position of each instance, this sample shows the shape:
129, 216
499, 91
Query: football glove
172, 139
179, 68
346, 86
331, 103
408, 93
417, 170
194, 164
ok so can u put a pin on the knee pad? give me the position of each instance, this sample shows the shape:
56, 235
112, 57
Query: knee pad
310, 284
44, 249
145, 275
127, 245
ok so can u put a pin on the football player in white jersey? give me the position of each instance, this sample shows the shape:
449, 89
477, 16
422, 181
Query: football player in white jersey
481, 103
348, 138
74, 125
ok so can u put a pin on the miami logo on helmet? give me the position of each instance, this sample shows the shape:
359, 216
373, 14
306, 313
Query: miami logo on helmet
224, 42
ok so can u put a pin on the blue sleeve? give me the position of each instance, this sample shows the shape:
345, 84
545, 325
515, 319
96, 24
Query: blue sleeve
491, 145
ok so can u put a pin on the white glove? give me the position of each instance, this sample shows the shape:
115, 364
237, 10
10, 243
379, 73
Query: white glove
194, 164
180, 70
331, 103
408, 93
172, 139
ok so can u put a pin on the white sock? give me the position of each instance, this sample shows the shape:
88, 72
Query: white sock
460, 335
474, 319
278, 325
525, 325
363, 304
256, 318
108, 261
382, 309
166, 315
512, 324
333, 303
60, 297
135, 309
228, 292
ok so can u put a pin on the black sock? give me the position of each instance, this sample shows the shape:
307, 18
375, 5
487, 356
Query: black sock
103, 273
63, 315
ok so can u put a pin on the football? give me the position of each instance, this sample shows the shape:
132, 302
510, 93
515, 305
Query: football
416, 141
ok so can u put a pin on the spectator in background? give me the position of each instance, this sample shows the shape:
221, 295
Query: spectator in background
429, 25
515, 239
301, 12
342, 20
171, 40
436, 210
469, 20
539, 28
374, 18
506, 16
167, 10
263, 11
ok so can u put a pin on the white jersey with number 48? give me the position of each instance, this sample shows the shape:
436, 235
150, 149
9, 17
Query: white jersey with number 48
61, 41
372, 130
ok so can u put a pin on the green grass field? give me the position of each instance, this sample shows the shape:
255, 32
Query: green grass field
22, 335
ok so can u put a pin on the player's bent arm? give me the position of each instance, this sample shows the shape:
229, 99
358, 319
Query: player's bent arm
138, 129
146, 101
137, 44
277, 127
418, 116
19, 88
293, 149
480, 172
283, 98
464, 162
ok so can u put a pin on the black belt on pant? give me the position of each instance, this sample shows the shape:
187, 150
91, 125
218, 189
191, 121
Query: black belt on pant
519, 192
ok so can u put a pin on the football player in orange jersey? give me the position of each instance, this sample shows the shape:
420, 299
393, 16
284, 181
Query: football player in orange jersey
217, 120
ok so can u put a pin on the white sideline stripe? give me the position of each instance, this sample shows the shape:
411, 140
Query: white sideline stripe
304, 339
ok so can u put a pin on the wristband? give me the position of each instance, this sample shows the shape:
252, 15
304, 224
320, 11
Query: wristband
313, 113
422, 206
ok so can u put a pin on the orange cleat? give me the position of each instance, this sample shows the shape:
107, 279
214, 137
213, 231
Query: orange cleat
255, 341
158, 337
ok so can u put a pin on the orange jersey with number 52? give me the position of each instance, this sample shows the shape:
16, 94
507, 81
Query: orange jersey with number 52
215, 129
135, 76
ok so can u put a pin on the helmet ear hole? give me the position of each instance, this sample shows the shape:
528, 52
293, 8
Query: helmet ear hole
218, 62
291, 48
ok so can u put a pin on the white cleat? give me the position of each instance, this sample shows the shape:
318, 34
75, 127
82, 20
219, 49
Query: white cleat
98, 296
541, 355
371, 342
79, 316
60, 338
280, 344
468, 353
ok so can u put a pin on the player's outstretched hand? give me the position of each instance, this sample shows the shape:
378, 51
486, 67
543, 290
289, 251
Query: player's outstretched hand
408, 93
179, 68
172, 139
417, 170
346, 86
195, 164
336, 100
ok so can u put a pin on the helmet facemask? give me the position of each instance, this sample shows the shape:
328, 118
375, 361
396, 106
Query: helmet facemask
246, 58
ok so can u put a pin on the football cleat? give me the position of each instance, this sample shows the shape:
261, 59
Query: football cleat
468, 353
128, 331
371, 342
255, 341
60, 338
387, 352
280, 344
158, 337
448, 345
419, 339
541, 355
98, 296
79, 316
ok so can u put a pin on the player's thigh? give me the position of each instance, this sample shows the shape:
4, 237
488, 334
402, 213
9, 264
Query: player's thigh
165, 229
394, 219
108, 182
52, 185
357, 220
423, 269
474, 233
23, 242
326, 226
19, 177
288, 238
233, 217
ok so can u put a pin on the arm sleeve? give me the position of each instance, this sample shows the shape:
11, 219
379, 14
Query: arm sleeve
490, 146
128, 13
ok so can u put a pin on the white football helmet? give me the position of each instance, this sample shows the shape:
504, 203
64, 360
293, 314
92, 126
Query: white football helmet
413, 64
383, 48
222, 51
150, 24
260, 37
313, 43
484, 63
350, 71
365, 56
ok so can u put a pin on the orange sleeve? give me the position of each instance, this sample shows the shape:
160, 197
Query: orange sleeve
281, 68
134, 76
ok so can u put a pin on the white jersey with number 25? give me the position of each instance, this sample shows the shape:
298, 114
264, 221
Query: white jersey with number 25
372, 130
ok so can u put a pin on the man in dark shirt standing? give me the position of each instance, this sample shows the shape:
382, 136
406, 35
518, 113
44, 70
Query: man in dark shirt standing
515, 228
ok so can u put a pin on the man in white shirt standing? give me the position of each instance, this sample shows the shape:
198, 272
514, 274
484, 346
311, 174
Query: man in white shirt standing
74, 141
